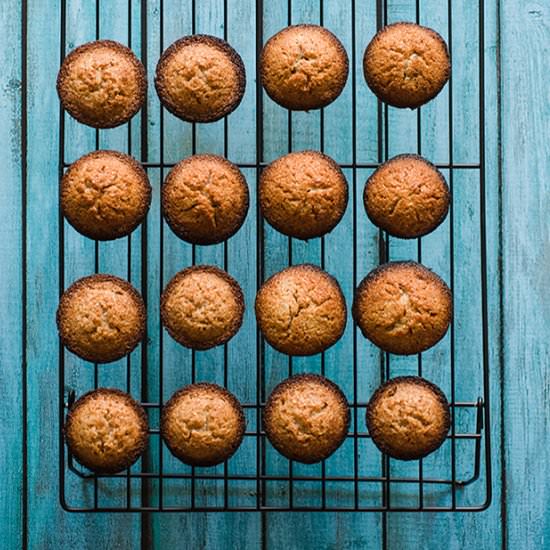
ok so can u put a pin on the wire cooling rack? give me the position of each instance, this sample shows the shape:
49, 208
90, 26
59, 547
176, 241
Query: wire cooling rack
357, 477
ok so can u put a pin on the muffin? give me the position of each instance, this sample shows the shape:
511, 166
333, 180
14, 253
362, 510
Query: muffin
406, 65
407, 196
106, 430
301, 310
105, 195
101, 318
306, 418
303, 195
102, 84
205, 199
303, 67
202, 424
202, 307
403, 307
200, 78
408, 417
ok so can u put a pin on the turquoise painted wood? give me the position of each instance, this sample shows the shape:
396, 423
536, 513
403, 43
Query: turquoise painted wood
12, 359
526, 238
517, 35
53, 527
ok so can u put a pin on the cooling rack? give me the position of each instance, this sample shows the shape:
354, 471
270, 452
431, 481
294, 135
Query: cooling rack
360, 133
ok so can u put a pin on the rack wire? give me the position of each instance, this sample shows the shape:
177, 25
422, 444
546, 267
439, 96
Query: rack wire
157, 483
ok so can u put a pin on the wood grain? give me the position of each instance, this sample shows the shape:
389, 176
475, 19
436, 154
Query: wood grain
424, 531
43, 286
524, 523
11, 281
526, 309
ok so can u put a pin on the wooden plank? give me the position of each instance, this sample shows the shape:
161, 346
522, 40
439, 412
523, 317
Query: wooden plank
11, 285
311, 530
153, 268
369, 149
402, 138
116, 22
275, 258
177, 255
525, 36
240, 261
484, 529
79, 252
215, 530
209, 364
43, 277
304, 134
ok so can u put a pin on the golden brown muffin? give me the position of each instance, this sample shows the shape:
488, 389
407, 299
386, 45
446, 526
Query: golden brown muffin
306, 418
202, 424
101, 318
200, 78
403, 307
408, 417
303, 67
202, 306
406, 65
105, 195
106, 430
407, 196
205, 199
301, 310
303, 195
102, 84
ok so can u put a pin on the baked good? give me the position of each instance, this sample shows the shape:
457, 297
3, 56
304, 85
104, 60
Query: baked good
406, 65
306, 418
202, 424
408, 417
105, 195
106, 430
301, 310
205, 199
303, 67
102, 84
200, 78
303, 195
101, 318
407, 196
403, 307
202, 306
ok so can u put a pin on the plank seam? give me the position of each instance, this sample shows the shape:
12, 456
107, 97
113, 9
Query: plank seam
24, 468
260, 366
500, 271
146, 518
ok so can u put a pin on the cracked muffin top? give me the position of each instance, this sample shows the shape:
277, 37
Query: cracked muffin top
403, 307
205, 199
106, 430
306, 418
301, 310
102, 84
303, 67
202, 424
105, 195
408, 417
406, 65
407, 196
101, 318
303, 195
202, 306
200, 78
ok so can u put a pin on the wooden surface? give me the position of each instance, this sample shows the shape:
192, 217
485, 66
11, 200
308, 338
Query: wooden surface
517, 42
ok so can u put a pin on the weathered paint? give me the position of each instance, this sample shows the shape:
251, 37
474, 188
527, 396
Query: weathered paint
518, 354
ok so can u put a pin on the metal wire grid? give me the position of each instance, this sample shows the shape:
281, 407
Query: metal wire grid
256, 472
